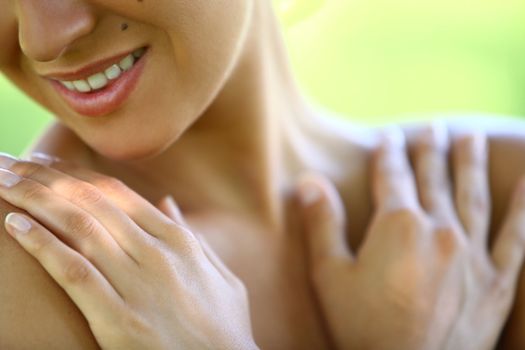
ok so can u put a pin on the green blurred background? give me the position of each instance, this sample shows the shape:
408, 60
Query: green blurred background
377, 61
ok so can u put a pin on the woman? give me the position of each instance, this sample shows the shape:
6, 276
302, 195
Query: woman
227, 135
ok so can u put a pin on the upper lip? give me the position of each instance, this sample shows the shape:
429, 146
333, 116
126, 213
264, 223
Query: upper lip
89, 69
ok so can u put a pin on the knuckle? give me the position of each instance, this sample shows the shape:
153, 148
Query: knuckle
448, 241
408, 225
156, 253
190, 246
26, 169
184, 241
110, 184
76, 272
39, 243
80, 225
407, 220
85, 193
33, 192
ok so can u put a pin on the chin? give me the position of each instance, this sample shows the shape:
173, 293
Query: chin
130, 152
133, 149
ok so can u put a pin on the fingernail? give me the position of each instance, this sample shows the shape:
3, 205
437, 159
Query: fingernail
393, 137
477, 142
8, 178
7, 160
171, 200
18, 223
310, 194
436, 135
42, 158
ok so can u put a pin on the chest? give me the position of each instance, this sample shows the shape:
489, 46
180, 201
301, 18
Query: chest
273, 267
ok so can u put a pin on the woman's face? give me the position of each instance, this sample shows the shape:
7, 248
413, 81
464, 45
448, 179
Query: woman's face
128, 112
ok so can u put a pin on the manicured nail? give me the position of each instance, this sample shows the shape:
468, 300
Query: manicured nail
393, 137
171, 200
18, 223
42, 158
310, 194
7, 160
8, 178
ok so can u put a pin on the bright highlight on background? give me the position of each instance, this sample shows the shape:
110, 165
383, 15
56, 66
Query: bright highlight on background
378, 60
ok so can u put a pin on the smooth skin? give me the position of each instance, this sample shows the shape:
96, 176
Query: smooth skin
141, 278
135, 277
228, 135
425, 269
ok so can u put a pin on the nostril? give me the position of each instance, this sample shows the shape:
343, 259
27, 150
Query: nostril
47, 28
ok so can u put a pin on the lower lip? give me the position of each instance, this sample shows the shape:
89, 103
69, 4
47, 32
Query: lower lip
107, 100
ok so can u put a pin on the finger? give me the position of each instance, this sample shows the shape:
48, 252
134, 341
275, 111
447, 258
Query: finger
42, 158
472, 185
323, 215
168, 206
393, 181
89, 290
226, 273
141, 211
432, 175
70, 223
509, 247
129, 236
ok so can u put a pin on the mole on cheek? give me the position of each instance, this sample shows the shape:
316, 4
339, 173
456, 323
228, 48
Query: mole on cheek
123, 26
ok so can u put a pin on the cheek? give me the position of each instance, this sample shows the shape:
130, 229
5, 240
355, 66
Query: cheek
196, 43
8, 38
207, 43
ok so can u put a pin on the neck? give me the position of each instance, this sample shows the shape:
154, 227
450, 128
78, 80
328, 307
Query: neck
234, 156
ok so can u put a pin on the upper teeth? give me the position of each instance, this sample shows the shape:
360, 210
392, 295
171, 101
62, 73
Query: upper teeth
101, 79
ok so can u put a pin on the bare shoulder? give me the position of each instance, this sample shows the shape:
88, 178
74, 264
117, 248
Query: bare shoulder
348, 146
35, 313
60, 141
343, 140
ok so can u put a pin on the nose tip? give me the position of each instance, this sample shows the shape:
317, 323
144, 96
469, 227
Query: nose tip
47, 28
46, 54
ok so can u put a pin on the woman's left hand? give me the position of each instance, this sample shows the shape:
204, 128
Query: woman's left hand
425, 276
138, 274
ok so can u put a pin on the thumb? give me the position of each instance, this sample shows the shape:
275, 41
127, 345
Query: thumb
323, 216
168, 206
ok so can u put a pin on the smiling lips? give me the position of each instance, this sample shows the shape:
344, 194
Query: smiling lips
103, 91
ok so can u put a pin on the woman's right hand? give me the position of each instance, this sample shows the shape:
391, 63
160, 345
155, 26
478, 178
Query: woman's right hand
140, 275
423, 277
